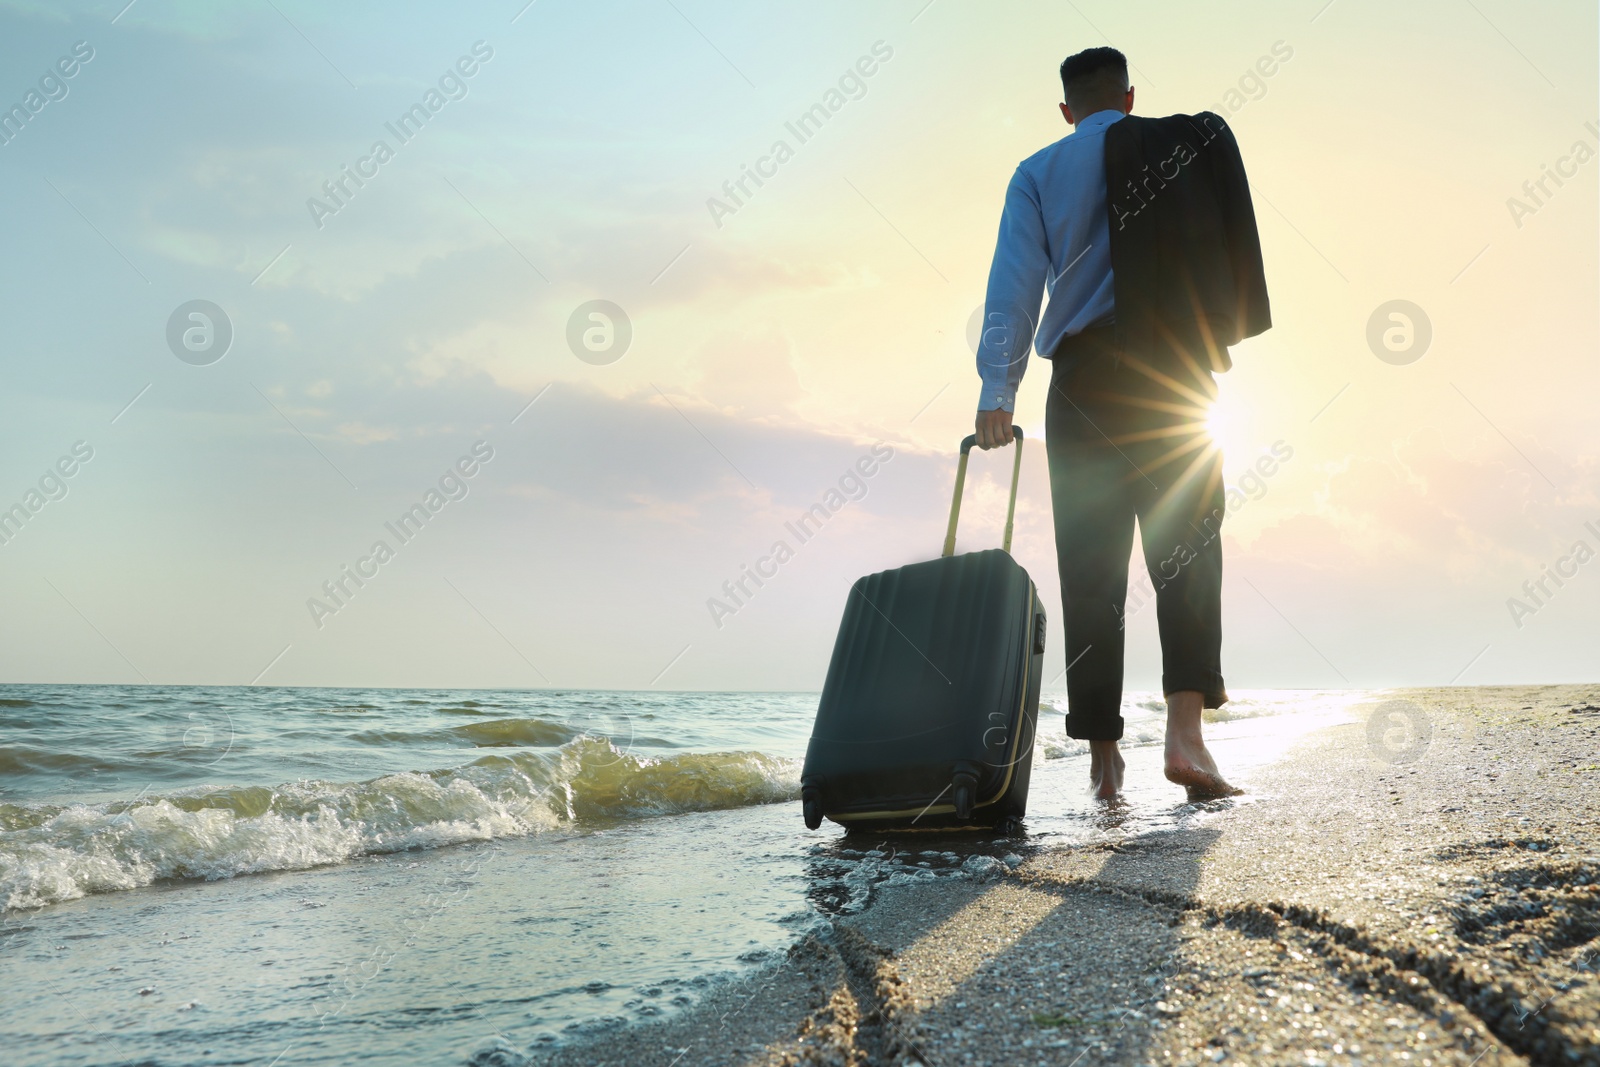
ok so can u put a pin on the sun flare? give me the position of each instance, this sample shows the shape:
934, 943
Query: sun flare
1225, 426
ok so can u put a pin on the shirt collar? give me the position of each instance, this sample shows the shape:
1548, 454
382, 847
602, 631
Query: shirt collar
1099, 120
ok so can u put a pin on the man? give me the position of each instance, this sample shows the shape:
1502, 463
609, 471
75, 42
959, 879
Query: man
1143, 232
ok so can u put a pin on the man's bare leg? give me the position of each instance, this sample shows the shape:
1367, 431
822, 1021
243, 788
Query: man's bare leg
1105, 770
1188, 763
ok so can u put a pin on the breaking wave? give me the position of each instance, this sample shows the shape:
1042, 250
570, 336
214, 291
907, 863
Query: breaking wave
52, 853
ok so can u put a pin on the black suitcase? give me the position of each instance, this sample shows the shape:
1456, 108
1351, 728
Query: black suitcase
929, 712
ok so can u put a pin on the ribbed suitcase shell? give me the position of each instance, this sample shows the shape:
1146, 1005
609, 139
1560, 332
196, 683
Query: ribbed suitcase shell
935, 671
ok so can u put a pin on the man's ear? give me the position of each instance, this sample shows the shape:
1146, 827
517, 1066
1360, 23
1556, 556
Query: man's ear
1127, 104
1066, 113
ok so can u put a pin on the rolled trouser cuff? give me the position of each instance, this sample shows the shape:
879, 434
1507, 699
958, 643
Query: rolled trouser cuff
1094, 727
1207, 682
1095, 715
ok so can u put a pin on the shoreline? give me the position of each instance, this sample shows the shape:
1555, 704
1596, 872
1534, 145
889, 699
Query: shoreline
1430, 890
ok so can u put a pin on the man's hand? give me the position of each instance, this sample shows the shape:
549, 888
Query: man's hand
994, 428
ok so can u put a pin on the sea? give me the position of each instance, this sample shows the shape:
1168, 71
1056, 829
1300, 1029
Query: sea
252, 875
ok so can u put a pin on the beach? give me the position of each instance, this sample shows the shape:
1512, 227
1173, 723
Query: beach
1409, 872
482, 483
1428, 896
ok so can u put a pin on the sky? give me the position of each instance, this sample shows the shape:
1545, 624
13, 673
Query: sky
422, 336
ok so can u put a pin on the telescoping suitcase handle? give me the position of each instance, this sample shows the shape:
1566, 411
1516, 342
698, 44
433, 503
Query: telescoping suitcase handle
961, 480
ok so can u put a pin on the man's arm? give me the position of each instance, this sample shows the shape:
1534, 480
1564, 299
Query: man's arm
1010, 309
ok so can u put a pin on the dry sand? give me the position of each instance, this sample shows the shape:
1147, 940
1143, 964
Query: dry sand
1380, 900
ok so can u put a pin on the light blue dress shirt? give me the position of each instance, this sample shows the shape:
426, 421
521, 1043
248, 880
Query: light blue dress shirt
1054, 237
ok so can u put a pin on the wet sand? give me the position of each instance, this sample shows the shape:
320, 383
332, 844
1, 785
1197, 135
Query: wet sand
1422, 886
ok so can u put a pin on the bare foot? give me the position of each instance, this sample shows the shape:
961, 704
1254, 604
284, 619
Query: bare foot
1188, 762
1105, 770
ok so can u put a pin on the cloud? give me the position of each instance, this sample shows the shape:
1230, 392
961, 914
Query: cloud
362, 434
1424, 508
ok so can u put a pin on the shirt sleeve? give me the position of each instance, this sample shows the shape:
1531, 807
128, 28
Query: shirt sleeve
1016, 288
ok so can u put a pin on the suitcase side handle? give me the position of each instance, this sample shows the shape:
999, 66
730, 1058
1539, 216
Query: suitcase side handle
961, 481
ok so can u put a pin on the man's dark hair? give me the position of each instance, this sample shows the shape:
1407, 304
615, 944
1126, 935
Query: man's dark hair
1094, 76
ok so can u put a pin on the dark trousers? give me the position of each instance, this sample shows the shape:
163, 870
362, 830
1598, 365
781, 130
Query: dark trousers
1126, 440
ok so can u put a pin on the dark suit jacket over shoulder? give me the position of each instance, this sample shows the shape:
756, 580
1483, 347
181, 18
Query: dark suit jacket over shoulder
1185, 254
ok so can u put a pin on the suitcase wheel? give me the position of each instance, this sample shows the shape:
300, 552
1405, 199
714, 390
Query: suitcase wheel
965, 795
811, 807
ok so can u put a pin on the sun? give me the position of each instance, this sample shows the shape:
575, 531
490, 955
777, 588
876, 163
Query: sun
1225, 425
1216, 423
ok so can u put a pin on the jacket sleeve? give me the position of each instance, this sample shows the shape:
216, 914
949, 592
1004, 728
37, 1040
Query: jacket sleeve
1252, 313
1016, 288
